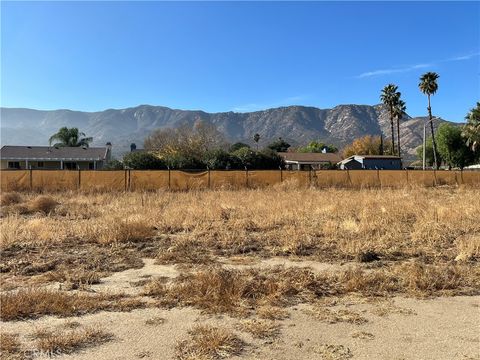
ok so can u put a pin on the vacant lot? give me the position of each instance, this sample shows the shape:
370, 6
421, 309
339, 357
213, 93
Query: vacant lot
280, 273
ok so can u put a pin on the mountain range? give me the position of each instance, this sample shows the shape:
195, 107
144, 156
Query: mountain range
296, 124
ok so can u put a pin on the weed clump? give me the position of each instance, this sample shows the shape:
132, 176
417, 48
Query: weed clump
12, 198
42, 204
56, 342
209, 343
35, 302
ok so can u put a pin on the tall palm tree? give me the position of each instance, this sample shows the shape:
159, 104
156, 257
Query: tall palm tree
398, 111
428, 85
389, 97
71, 137
471, 130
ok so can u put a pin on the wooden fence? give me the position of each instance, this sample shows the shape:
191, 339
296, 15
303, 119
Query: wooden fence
147, 180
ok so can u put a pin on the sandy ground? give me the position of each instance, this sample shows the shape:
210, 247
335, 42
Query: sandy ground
400, 328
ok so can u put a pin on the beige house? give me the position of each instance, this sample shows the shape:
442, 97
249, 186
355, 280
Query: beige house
308, 161
50, 157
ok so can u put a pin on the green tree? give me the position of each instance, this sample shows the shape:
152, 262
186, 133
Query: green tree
279, 145
398, 112
141, 160
390, 97
114, 164
317, 147
471, 130
429, 86
251, 159
221, 160
452, 147
428, 152
237, 146
70, 137
256, 138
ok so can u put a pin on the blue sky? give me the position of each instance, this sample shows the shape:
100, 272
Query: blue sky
237, 56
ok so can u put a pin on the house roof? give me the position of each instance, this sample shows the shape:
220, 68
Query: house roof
46, 153
354, 157
378, 156
310, 157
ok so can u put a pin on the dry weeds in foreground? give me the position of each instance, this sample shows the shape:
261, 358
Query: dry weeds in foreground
413, 242
37, 302
61, 341
209, 343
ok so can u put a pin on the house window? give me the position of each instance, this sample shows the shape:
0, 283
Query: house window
40, 164
70, 165
14, 165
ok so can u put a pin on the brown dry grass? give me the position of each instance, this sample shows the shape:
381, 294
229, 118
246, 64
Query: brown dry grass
9, 346
328, 224
218, 290
209, 343
43, 204
335, 316
10, 199
261, 329
413, 241
239, 292
61, 341
37, 302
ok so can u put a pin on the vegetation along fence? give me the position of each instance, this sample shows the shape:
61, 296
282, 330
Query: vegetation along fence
145, 180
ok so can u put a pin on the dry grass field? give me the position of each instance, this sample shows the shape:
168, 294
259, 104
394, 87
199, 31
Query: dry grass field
278, 273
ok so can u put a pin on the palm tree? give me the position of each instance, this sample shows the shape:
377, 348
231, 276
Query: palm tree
256, 138
70, 137
398, 111
471, 130
428, 85
389, 97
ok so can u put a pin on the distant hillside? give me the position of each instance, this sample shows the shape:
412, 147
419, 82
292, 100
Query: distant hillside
296, 124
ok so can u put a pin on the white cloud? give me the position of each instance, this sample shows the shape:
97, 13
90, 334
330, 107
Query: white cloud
408, 68
393, 70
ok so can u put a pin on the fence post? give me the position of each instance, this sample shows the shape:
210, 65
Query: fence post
129, 186
125, 179
435, 178
31, 179
378, 178
209, 178
281, 174
461, 176
169, 185
79, 184
408, 179
349, 178
246, 176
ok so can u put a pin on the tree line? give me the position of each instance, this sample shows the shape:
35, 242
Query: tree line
202, 145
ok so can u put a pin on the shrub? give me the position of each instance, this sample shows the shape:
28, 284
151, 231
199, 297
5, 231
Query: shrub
209, 342
61, 341
141, 160
238, 146
10, 199
221, 160
43, 204
266, 159
114, 165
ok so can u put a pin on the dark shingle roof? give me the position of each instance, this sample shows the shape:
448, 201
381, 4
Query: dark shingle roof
52, 153
310, 157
